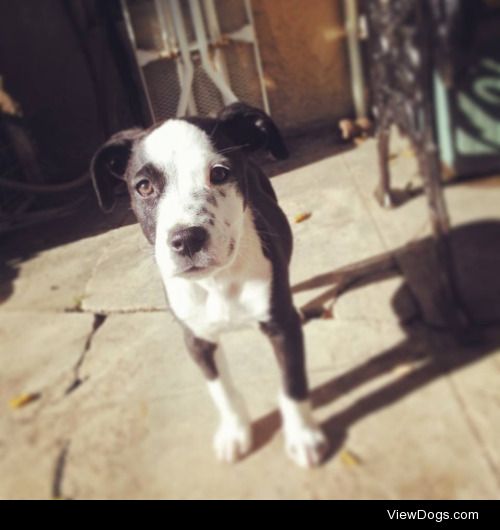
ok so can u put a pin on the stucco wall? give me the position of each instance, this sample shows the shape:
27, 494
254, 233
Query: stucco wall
303, 50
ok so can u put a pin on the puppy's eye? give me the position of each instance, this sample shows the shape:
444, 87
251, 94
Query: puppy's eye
145, 188
219, 174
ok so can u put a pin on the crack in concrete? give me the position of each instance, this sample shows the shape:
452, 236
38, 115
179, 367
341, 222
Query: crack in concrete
59, 469
99, 320
128, 311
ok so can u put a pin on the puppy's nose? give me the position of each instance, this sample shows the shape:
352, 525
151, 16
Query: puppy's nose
187, 241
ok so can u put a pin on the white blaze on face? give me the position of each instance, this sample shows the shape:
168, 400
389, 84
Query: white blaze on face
185, 154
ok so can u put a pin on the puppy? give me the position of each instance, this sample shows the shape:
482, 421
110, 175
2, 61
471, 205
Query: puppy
223, 246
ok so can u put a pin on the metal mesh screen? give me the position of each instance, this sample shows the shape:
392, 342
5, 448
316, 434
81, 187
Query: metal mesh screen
163, 87
207, 97
162, 80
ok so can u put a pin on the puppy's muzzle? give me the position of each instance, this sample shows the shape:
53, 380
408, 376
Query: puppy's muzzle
187, 241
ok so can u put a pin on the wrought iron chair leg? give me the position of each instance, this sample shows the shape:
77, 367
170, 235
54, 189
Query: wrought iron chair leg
449, 301
383, 190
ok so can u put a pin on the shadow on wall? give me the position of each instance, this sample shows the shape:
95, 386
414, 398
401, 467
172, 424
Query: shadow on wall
432, 354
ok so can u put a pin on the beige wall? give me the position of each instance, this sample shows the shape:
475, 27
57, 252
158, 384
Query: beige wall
304, 56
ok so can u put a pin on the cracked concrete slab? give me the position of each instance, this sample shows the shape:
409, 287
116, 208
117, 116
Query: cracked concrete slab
28, 473
383, 299
409, 413
143, 417
466, 201
37, 358
55, 279
339, 232
125, 278
395, 226
474, 247
476, 391
35, 353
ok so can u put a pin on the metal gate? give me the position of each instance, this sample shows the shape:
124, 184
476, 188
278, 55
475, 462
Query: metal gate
195, 56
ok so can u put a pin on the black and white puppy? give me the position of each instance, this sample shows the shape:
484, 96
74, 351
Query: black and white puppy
223, 246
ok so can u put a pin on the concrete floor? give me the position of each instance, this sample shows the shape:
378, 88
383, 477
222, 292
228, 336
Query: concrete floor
121, 411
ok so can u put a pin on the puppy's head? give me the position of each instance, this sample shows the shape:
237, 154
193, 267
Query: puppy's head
187, 181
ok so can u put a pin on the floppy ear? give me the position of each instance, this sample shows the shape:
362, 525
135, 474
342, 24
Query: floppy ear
252, 128
109, 164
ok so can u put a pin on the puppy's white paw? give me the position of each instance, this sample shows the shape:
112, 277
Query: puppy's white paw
232, 440
306, 446
305, 443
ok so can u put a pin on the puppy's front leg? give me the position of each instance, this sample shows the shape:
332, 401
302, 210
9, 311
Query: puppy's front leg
305, 442
233, 438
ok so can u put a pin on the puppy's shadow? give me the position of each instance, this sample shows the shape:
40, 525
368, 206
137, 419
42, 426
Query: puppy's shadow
427, 353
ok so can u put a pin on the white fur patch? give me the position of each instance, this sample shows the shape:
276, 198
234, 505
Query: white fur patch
184, 153
181, 149
233, 438
233, 290
305, 443
234, 296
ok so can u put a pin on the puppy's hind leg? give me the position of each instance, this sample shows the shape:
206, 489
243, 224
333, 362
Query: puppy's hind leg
305, 443
233, 438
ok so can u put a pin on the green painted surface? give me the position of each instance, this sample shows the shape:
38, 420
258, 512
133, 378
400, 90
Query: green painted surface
481, 106
468, 119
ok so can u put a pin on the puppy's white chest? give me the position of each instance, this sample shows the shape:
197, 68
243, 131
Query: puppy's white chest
216, 307
238, 304
236, 296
